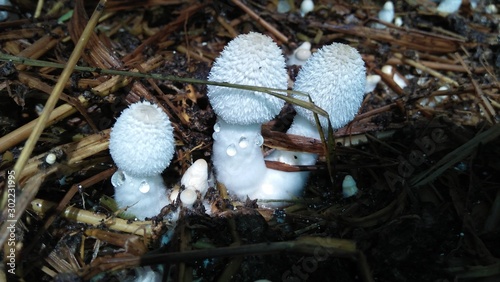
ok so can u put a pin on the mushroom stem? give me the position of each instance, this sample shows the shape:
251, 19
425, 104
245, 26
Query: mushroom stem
141, 196
237, 156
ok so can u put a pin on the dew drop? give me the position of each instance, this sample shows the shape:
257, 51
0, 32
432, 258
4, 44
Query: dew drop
215, 135
243, 142
259, 140
118, 178
216, 127
144, 187
231, 150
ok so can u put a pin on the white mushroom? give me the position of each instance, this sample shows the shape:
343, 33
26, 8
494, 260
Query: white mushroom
449, 6
386, 14
196, 177
349, 187
306, 6
142, 146
250, 59
335, 79
300, 55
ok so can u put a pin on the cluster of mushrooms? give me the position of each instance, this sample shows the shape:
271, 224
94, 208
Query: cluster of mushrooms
334, 77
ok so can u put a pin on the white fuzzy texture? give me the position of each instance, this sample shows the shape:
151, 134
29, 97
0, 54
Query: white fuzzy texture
142, 196
335, 79
142, 140
449, 6
196, 177
250, 59
237, 157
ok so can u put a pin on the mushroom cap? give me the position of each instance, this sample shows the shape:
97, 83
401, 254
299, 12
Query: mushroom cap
142, 140
196, 176
335, 79
250, 59
188, 197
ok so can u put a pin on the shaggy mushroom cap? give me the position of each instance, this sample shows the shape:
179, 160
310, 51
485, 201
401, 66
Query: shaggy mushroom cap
335, 79
250, 59
142, 140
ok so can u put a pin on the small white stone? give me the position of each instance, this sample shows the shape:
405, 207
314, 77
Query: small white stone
349, 187
51, 158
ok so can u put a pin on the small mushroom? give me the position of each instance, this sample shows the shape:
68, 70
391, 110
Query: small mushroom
449, 6
142, 146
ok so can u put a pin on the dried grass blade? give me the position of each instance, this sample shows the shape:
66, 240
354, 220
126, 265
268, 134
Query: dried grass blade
30, 193
458, 154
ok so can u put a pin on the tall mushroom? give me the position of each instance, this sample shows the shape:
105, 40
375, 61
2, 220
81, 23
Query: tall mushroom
250, 59
335, 79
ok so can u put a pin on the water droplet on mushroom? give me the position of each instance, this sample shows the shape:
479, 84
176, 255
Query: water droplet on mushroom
215, 135
243, 142
216, 127
231, 150
144, 187
259, 140
118, 178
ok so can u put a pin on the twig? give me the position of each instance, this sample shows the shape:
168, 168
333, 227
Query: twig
142, 228
58, 88
305, 245
64, 202
21, 133
439, 66
485, 103
426, 69
452, 158
261, 21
